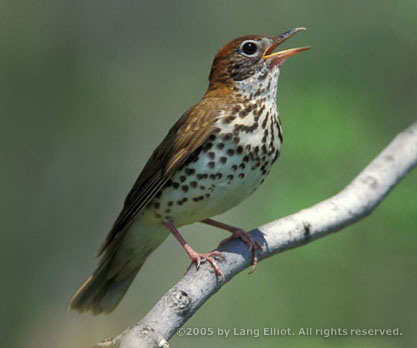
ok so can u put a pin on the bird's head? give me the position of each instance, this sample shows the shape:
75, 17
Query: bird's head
242, 64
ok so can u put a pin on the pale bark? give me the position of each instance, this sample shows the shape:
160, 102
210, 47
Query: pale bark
355, 201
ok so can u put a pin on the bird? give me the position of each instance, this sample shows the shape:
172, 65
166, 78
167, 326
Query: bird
215, 156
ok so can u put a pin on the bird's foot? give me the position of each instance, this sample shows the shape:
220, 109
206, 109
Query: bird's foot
195, 256
249, 240
209, 257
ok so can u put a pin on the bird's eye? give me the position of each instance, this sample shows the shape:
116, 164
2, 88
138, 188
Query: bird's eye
249, 48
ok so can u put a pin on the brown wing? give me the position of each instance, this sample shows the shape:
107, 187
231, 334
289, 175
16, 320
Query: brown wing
187, 134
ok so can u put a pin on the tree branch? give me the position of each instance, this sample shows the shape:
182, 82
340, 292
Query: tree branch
354, 202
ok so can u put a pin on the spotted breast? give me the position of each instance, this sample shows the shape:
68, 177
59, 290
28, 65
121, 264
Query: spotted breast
212, 158
233, 161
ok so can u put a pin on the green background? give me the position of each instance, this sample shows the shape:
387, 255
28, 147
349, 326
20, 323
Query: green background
89, 88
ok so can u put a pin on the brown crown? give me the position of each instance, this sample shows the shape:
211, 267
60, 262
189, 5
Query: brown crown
224, 57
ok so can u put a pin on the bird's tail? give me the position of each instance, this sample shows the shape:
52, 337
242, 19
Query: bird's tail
105, 288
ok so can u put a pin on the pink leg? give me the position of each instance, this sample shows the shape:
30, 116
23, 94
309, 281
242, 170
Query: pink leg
194, 256
238, 233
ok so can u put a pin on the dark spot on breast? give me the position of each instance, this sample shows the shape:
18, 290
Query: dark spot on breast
175, 185
229, 119
182, 178
184, 188
170, 203
242, 166
202, 187
234, 167
156, 205
258, 92
243, 113
223, 159
230, 177
265, 121
241, 175
263, 76
168, 183
193, 184
220, 146
228, 136
212, 154
236, 140
250, 129
217, 129
189, 171
211, 164
199, 198
208, 146
212, 137
236, 109
230, 152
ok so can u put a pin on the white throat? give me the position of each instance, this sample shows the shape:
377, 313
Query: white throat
263, 84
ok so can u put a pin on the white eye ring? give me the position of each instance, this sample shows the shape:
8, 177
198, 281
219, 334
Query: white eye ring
249, 48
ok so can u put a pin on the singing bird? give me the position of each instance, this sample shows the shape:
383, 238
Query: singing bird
214, 157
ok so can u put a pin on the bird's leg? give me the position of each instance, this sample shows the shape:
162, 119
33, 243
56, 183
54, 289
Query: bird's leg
194, 256
238, 233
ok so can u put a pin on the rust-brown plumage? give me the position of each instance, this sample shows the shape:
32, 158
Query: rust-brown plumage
187, 134
213, 157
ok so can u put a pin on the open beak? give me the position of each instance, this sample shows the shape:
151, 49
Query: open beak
278, 58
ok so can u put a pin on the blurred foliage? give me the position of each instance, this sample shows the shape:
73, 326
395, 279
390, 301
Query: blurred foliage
89, 88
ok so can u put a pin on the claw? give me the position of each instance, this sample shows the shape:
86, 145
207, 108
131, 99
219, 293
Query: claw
253, 245
194, 256
210, 258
